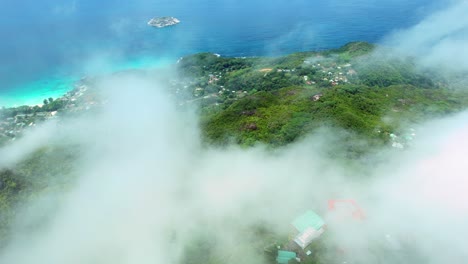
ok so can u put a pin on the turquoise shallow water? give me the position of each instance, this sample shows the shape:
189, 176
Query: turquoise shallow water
34, 92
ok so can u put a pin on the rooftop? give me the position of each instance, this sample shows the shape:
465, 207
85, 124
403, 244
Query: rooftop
308, 220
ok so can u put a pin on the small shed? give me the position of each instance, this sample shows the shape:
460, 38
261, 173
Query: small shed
309, 227
285, 256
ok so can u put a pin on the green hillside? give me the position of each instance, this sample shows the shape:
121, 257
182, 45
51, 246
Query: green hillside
277, 101
373, 101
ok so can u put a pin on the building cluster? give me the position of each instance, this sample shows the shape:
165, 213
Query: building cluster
79, 99
403, 140
344, 218
203, 88
333, 73
13, 125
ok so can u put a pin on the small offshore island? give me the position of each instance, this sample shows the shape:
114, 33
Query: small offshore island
161, 22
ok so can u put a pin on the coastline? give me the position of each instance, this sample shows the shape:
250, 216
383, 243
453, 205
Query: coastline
34, 92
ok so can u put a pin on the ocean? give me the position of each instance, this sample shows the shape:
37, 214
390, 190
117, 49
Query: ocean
47, 45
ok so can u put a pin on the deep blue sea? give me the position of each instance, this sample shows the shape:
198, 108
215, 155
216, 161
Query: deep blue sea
46, 45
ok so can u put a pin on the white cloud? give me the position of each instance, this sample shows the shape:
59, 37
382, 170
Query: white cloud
439, 40
148, 186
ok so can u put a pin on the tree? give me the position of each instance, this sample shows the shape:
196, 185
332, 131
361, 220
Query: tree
45, 102
51, 99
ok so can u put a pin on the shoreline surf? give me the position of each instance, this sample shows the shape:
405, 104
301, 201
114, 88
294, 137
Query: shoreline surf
34, 92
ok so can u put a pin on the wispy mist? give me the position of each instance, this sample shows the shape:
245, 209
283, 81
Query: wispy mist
439, 40
148, 187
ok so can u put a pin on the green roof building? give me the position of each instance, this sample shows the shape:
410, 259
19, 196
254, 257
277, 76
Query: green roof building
307, 220
310, 226
285, 256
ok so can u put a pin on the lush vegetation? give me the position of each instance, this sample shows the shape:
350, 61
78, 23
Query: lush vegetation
282, 116
370, 96
47, 170
272, 101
